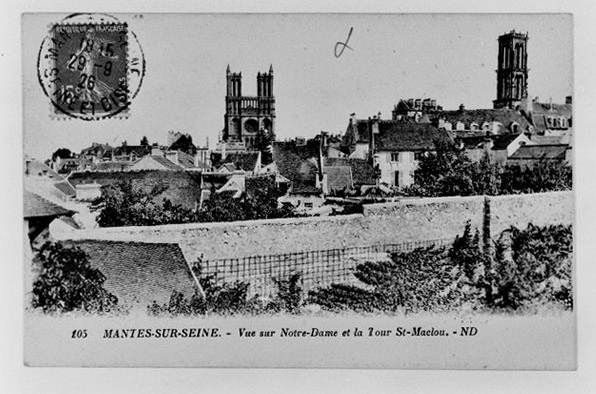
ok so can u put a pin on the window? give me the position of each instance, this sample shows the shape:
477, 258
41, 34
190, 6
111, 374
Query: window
459, 126
308, 205
563, 123
419, 155
474, 126
394, 157
396, 178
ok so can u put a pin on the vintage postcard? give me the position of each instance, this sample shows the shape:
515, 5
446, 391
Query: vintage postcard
299, 190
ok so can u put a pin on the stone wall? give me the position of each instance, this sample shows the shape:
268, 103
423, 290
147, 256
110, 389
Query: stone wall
389, 223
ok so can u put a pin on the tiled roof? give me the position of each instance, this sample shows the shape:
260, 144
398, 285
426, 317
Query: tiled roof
472, 141
502, 141
229, 167
339, 178
138, 150
536, 152
185, 160
301, 172
363, 172
505, 116
34, 167
155, 162
139, 273
111, 166
36, 206
96, 150
246, 161
546, 140
398, 136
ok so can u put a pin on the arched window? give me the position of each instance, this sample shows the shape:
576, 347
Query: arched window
514, 127
236, 127
486, 126
473, 126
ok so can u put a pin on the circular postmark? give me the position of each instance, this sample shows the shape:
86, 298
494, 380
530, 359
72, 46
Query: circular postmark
90, 66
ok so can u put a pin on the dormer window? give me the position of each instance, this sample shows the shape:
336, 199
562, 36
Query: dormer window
459, 126
515, 127
486, 126
474, 126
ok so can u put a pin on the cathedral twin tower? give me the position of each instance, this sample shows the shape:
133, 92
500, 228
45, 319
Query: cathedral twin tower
247, 115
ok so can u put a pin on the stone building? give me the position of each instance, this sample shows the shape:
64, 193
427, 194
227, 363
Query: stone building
512, 70
247, 115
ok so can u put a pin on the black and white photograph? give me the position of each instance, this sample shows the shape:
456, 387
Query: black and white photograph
388, 191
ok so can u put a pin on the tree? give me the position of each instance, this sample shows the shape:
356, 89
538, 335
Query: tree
121, 205
67, 282
444, 172
262, 144
144, 141
63, 153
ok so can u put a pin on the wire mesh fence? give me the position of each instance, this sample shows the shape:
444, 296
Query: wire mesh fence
317, 268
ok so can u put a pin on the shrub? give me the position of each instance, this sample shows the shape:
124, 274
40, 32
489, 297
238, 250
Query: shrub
533, 266
528, 268
224, 299
67, 282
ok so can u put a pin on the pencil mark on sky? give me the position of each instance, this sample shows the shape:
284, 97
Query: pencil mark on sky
340, 47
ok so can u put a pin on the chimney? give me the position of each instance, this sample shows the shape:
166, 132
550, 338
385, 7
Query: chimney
569, 100
461, 108
353, 118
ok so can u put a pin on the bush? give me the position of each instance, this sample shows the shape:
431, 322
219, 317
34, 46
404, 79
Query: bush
224, 299
533, 266
528, 268
67, 282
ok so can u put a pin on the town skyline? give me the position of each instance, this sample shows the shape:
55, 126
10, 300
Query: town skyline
315, 90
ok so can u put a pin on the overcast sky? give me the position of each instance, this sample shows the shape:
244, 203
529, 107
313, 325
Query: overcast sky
451, 58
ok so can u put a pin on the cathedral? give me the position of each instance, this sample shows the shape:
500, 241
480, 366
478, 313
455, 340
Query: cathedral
248, 115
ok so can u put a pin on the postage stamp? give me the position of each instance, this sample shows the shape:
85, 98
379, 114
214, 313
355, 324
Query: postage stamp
89, 67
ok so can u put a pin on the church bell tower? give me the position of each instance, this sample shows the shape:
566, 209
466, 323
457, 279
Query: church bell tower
512, 70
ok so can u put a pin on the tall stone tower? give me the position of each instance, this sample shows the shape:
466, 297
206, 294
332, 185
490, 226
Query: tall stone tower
512, 70
246, 115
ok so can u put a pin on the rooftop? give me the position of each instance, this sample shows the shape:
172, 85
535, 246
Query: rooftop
36, 206
139, 273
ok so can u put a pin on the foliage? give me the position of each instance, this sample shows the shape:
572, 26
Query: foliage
449, 172
262, 143
528, 268
124, 206
443, 173
63, 153
533, 266
67, 282
543, 176
224, 299
289, 295
260, 202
